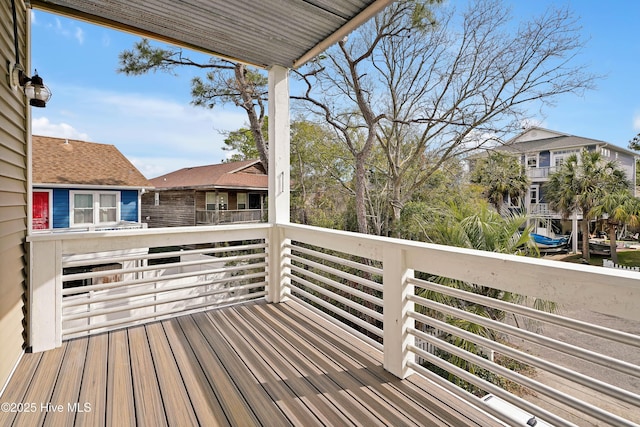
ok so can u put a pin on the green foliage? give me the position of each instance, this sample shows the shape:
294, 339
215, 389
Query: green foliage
225, 82
470, 223
144, 58
579, 184
616, 208
221, 86
422, 16
242, 143
477, 227
634, 144
500, 174
320, 176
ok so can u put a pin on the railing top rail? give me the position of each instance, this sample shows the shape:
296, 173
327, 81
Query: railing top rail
165, 231
613, 292
90, 242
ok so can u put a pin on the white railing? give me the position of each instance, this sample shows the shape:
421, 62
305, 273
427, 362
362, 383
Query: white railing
85, 283
540, 172
229, 216
540, 209
384, 291
122, 225
389, 291
610, 264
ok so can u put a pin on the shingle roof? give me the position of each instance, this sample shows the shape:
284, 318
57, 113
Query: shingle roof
554, 143
245, 174
67, 161
557, 143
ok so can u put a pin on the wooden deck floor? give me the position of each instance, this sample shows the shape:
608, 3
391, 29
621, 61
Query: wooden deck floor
255, 364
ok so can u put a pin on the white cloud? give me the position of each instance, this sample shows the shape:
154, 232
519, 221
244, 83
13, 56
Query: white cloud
106, 40
79, 35
70, 30
42, 126
157, 134
636, 121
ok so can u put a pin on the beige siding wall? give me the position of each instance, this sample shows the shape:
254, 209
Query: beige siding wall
13, 197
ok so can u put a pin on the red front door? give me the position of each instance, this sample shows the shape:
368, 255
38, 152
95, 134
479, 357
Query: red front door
41, 210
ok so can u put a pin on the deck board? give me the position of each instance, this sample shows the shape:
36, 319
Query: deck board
320, 372
294, 395
119, 407
67, 388
41, 388
244, 365
175, 398
359, 373
16, 390
202, 396
233, 404
150, 409
93, 392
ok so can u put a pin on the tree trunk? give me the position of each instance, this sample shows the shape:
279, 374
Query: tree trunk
361, 193
396, 207
255, 120
611, 231
584, 225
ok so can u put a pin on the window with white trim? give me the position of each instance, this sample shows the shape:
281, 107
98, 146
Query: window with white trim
532, 160
242, 200
221, 199
558, 157
534, 193
93, 207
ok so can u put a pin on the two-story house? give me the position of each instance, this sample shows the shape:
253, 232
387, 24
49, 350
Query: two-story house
84, 185
542, 151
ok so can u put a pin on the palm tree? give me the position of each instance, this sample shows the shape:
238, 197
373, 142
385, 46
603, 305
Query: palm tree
500, 174
618, 207
579, 184
475, 226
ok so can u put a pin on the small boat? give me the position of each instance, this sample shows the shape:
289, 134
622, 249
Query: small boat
550, 244
599, 247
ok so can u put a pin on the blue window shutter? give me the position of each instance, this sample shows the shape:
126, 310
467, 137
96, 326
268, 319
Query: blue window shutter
129, 205
61, 207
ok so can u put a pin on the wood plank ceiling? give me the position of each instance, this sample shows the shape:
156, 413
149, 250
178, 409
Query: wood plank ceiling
262, 33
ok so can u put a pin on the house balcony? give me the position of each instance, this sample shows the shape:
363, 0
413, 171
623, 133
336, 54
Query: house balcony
540, 173
213, 217
264, 324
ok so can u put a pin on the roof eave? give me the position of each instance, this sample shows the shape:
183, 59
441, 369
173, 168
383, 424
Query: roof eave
91, 186
342, 32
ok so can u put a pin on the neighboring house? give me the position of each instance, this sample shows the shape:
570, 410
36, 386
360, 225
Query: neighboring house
204, 195
84, 185
542, 151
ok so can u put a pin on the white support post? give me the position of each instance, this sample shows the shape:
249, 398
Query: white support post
574, 233
278, 281
279, 145
279, 174
45, 295
396, 306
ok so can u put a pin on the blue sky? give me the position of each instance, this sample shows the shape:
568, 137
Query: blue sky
150, 120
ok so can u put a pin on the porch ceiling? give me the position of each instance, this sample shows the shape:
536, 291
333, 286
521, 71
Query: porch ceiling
263, 33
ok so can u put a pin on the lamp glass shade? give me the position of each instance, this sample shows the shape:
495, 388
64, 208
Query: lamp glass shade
37, 93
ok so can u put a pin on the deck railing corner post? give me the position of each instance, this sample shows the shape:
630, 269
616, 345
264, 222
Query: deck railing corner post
396, 288
45, 295
279, 252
